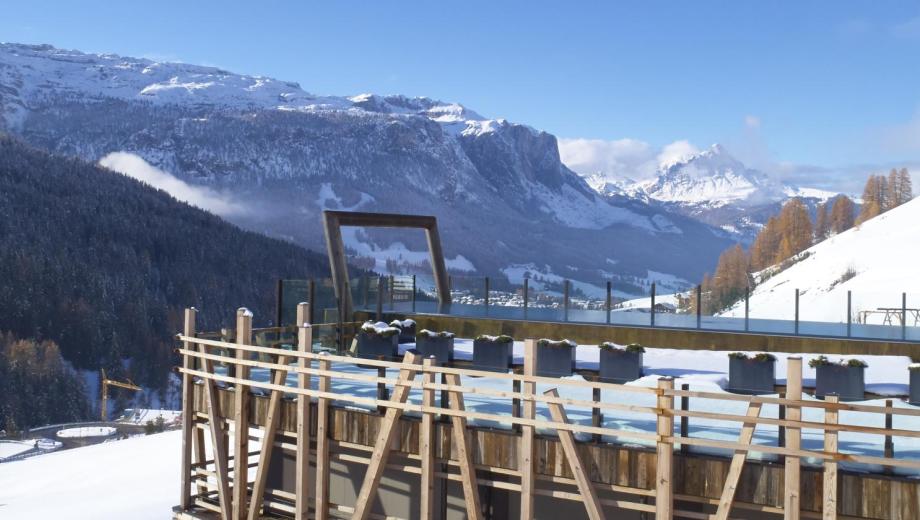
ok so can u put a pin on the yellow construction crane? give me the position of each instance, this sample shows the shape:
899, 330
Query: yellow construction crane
105, 392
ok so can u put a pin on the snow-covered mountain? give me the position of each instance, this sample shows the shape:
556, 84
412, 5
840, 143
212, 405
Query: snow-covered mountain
713, 187
502, 194
877, 261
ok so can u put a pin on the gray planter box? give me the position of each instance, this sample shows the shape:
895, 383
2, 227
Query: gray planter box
915, 387
372, 346
492, 356
407, 334
619, 366
847, 382
441, 348
555, 361
749, 376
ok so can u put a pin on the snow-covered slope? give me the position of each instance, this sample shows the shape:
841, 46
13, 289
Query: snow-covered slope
877, 261
289, 154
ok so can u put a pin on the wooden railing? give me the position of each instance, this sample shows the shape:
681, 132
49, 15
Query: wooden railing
421, 375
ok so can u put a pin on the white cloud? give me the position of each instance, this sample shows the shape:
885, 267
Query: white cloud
136, 167
904, 137
676, 152
751, 122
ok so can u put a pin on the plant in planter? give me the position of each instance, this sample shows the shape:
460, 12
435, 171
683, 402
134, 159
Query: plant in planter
492, 353
846, 378
914, 384
751, 374
555, 358
377, 339
406, 330
620, 364
437, 344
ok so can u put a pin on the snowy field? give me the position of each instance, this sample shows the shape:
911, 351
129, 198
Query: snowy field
13, 448
86, 431
135, 478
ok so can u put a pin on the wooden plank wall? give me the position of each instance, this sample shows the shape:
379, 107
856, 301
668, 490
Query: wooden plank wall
697, 477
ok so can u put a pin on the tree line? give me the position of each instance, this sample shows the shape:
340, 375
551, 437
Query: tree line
792, 231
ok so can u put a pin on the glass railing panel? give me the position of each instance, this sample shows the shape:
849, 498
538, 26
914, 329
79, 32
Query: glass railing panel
877, 315
677, 310
292, 293
774, 314
822, 313
468, 295
632, 303
912, 323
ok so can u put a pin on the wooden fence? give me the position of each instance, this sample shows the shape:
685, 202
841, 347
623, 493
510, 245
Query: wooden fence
214, 483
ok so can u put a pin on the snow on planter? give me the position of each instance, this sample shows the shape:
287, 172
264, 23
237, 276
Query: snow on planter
86, 431
406, 330
846, 378
555, 358
751, 374
493, 353
620, 364
438, 344
914, 369
377, 339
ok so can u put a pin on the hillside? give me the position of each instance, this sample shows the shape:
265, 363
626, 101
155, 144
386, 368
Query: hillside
103, 265
289, 154
877, 261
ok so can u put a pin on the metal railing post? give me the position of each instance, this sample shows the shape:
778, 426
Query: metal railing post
311, 299
699, 306
903, 315
796, 312
280, 302
391, 290
486, 283
367, 290
565, 300
526, 295
608, 302
849, 313
379, 298
747, 309
413, 293
653, 305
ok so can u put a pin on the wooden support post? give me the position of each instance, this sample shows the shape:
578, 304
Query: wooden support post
241, 418
664, 475
516, 404
218, 438
322, 444
737, 464
382, 387
579, 470
461, 438
426, 444
302, 471
829, 508
792, 504
188, 417
384, 440
272, 418
528, 411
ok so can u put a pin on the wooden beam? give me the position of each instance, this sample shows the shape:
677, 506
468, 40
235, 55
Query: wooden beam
241, 418
664, 476
737, 464
185, 496
384, 439
218, 437
464, 456
793, 470
829, 507
272, 417
322, 444
585, 487
426, 445
302, 471
528, 411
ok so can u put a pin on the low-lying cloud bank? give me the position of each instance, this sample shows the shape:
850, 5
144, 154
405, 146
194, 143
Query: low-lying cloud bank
207, 199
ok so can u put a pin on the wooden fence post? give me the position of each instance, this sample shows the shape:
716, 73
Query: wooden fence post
302, 471
188, 418
322, 444
427, 443
528, 411
829, 508
664, 481
791, 506
241, 417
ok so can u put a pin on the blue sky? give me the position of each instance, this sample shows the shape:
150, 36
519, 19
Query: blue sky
804, 88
